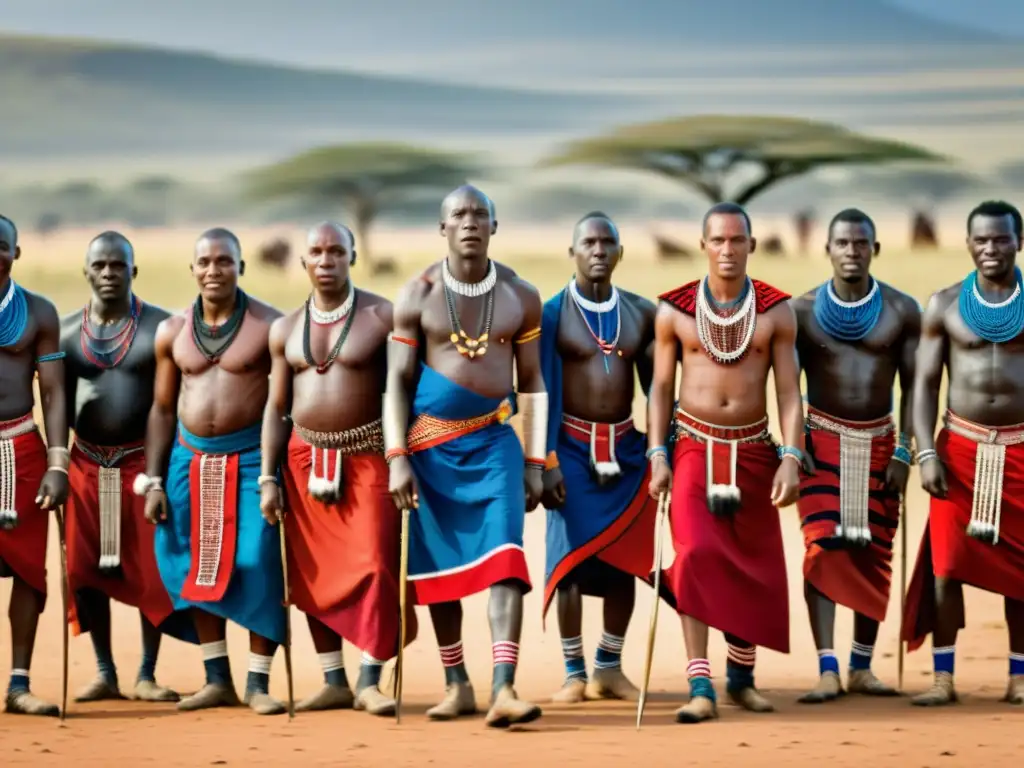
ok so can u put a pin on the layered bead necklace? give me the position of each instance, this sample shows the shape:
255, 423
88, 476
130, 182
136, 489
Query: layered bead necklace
212, 340
587, 307
344, 312
108, 351
13, 315
725, 330
994, 322
847, 320
466, 345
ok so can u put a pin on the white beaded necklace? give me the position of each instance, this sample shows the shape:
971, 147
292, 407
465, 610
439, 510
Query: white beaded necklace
724, 339
320, 317
470, 290
592, 306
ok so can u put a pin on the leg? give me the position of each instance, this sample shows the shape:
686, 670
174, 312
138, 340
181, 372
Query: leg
257, 685
822, 613
1015, 623
739, 675
505, 615
219, 690
459, 697
146, 688
369, 697
703, 701
861, 678
26, 605
609, 681
570, 627
336, 693
949, 614
96, 607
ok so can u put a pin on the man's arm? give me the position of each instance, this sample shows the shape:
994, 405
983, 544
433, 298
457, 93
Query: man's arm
164, 412
402, 362
928, 364
276, 426
50, 365
663, 377
907, 363
532, 394
786, 370
70, 328
645, 358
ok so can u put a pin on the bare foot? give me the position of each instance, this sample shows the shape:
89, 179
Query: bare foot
508, 709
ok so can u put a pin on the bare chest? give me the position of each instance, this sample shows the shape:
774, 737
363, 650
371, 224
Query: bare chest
580, 335
462, 320
312, 345
726, 340
248, 352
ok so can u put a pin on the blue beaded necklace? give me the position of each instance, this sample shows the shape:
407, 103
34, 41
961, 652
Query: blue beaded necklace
13, 315
996, 323
593, 314
847, 320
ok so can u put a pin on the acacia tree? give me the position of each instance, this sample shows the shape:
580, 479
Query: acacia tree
365, 179
708, 153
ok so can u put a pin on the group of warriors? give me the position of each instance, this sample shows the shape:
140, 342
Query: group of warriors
199, 435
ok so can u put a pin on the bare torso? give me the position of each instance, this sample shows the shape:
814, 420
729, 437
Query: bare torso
853, 380
17, 366
349, 394
229, 395
589, 391
109, 406
491, 374
986, 380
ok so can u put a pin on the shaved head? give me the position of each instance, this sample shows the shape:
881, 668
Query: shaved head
220, 233
108, 241
342, 232
465, 193
591, 217
9, 224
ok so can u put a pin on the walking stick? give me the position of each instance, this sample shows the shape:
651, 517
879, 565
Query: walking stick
403, 580
287, 622
903, 584
658, 541
64, 601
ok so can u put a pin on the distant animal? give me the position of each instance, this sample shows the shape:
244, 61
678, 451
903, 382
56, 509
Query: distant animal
772, 246
275, 253
923, 235
383, 265
804, 221
670, 250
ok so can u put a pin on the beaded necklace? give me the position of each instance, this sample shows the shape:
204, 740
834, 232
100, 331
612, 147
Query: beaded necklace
220, 335
994, 322
13, 315
726, 329
346, 310
847, 320
108, 352
466, 345
587, 308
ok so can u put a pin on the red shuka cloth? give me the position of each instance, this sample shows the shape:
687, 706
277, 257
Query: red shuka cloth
857, 577
684, 298
946, 549
24, 548
729, 573
139, 583
343, 559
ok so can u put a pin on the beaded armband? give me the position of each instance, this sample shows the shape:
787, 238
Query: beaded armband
264, 479
403, 340
928, 454
52, 357
394, 453
904, 452
788, 451
534, 408
528, 336
58, 458
658, 450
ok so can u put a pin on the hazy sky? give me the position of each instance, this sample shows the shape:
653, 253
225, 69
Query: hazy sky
988, 15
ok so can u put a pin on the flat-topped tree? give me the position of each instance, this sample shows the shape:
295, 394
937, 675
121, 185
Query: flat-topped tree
734, 157
365, 179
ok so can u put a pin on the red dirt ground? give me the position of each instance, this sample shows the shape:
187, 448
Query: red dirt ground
851, 732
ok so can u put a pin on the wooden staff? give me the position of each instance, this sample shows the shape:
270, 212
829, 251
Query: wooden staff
658, 542
903, 584
287, 622
64, 602
403, 580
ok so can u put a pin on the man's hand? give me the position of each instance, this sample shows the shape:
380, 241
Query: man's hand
271, 503
661, 476
53, 490
156, 505
402, 483
786, 485
896, 476
533, 480
933, 478
554, 489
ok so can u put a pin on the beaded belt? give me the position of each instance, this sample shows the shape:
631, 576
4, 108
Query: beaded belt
691, 426
107, 456
9, 469
17, 427
855, 448
989, 466
429, 431
368, 438
602, 439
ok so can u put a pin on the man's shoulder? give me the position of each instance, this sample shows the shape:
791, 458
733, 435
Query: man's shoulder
374, 301
943, 298
902, 301
682, 299
153, 313
640, 303
40, 306
261, 310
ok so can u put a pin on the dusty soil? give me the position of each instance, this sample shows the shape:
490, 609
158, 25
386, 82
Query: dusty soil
849, 732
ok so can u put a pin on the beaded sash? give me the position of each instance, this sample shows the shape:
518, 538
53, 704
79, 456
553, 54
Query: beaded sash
109, 487
326, 452
854, 470
428, 431
989, 464
602, 439
9, 468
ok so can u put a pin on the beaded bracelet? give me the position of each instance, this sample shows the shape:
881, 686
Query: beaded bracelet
658, 450
394, 453
793, 453
903, 455
264, 479
926, 455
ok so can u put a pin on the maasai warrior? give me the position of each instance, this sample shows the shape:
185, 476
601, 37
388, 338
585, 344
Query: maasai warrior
455, 459
727, 476
600, 519
855, 336
215, 552
975, 331
109, 372
33, 477
329, 368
